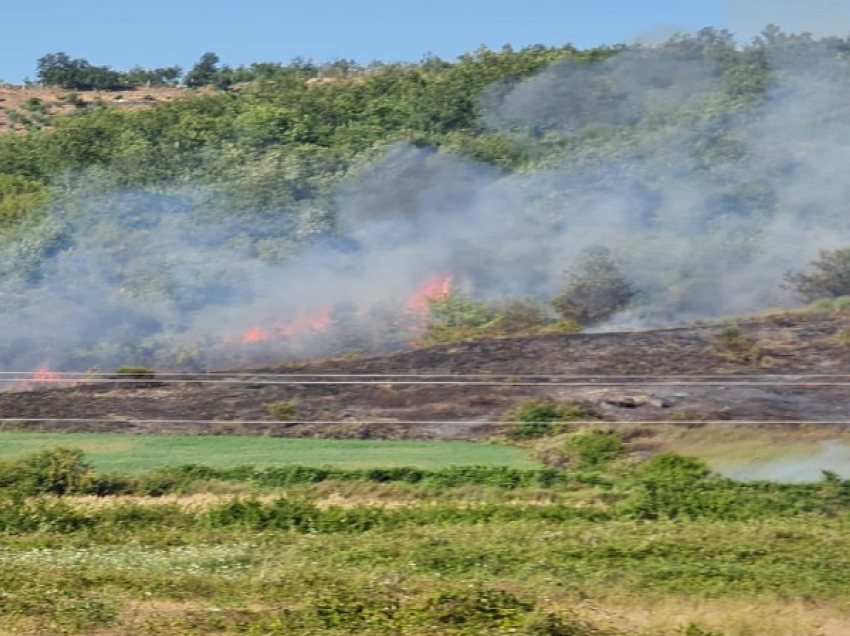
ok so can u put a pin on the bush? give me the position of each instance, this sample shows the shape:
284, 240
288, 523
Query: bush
519, 315
539, 418
738, 347
282, 411
132, 371
57, 471
594, 448
456, 317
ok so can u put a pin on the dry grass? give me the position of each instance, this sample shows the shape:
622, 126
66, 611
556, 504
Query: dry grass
715, 441
732, 617
56, 101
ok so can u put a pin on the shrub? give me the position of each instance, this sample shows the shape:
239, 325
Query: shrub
282, 411
738, 347
538, 418
132, 371
457, 317
518, 315
594, 448
34, 105
57, 471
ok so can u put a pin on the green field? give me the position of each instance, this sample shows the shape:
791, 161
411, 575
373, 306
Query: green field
136, 453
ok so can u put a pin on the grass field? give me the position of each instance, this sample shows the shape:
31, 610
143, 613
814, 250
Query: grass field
132, 453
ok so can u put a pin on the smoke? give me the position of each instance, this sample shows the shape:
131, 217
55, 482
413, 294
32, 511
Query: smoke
708, 208
818, 17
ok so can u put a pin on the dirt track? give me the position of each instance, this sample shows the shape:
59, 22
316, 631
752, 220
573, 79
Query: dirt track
781, 345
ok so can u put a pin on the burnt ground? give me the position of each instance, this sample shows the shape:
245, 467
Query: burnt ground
788, 344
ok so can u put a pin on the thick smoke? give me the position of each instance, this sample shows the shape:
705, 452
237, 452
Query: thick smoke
702, 235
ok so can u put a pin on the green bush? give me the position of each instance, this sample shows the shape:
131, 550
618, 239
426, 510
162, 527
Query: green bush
137, 372
538, 418
593, 448
57, 471
456, 317
282, 411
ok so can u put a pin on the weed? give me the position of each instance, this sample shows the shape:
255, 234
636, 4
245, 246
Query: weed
282, 411
735, 346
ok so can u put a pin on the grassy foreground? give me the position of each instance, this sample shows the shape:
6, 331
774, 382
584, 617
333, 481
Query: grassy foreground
610, 545
135, 453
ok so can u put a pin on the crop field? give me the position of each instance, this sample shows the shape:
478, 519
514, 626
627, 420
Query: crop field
133, 453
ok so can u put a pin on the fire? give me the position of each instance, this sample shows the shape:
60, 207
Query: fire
302, 325
256, 334
306, 324
41, 376
45, 375
437, 285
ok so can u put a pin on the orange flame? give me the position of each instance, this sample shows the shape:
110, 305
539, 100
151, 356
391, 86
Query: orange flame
45, 375
40, 376
306, 324
437, 285
301, 325
256, 334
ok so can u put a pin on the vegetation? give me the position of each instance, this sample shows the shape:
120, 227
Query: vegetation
282, 411
539, 418
829, 277
133, 371
449, 551
134, 453
171, 535
596, 289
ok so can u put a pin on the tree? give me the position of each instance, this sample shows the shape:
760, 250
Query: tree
59, 69
204, 72
830, 277
596, 288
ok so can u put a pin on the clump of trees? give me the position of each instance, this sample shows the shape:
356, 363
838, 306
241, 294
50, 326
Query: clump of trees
60, 69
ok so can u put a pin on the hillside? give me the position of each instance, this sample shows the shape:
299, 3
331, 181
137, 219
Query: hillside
380, 400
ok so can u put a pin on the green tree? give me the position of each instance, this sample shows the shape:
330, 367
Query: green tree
204, 72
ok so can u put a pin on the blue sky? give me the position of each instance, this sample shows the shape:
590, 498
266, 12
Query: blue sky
121, 33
